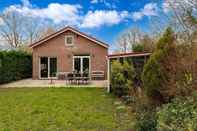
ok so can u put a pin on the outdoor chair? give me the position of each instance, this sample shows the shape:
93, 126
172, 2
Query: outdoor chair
85, 77
77, 77
70, 77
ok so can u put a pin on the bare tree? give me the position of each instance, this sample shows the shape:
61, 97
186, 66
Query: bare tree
128, 38
33, 29
12, 28
182, 17
46, 31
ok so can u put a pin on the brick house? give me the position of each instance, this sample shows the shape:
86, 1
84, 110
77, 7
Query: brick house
68, 50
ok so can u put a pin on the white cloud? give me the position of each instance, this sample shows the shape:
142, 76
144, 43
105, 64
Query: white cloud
94, 1
55, 12
26, 3
108, 4
1, 22
137, 16
149, 10
70, 14
103, 17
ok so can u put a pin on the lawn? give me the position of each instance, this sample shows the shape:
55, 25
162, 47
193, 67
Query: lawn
69, 109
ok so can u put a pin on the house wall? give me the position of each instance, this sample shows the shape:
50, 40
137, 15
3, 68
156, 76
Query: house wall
56, 47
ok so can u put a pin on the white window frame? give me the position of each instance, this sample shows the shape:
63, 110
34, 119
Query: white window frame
81, 63
48, 77
67, 36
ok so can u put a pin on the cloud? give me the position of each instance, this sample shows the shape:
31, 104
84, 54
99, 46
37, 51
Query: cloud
94, 1
149, 10
1, 22
70, 14
103, 17
110, 4
56, 12
26, 3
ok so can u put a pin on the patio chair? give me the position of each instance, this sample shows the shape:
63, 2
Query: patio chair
85, 77
77, 77
70, 77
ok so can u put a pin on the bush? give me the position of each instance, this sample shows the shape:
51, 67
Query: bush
121, 78
180, 115
146, 119
156, 72
14, 65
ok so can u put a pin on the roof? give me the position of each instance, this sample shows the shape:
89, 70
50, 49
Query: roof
68, 28
131, 54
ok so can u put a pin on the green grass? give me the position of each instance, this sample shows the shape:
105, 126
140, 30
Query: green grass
70, 109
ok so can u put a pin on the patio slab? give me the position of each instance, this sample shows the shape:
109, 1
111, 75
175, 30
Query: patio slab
55, 83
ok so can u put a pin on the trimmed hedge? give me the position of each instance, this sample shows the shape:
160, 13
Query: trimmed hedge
14, 65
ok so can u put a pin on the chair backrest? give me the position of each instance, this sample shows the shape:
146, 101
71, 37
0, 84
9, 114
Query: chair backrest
70, 75
97, 73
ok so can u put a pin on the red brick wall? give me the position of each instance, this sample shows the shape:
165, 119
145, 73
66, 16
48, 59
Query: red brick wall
56, 47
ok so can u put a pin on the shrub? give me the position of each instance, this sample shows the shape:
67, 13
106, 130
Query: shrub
121, 78
156, 72
146, 119
180, 115
14, 65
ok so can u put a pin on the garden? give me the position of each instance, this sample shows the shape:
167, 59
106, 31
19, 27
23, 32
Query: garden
166, 98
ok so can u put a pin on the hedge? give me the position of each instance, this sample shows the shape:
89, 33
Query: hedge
14, 65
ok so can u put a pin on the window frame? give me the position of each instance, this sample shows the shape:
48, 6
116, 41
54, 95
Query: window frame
66, 37
48, 67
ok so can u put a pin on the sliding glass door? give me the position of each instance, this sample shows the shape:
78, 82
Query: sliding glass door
48, 67
81, 64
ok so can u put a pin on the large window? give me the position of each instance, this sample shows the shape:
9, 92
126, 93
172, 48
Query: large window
48, 67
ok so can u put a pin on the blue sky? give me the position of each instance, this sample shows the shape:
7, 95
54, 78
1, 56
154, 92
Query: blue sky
103, 19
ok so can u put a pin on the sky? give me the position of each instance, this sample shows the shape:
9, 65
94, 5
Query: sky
103, 19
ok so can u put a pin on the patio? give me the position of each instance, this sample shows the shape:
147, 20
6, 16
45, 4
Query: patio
54, 83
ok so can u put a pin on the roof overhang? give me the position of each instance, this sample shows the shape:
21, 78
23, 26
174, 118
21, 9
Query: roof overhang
132, 54
72, 30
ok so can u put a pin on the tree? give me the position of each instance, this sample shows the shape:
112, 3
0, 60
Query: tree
155, 75
21, 30
33, 28
46, 31
179, 14
138, 48
12, 28
128, 38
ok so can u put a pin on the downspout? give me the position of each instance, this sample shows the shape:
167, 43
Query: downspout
108, 74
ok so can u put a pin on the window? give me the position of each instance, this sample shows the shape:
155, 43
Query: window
69, 40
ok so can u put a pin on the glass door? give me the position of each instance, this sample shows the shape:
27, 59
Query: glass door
53, 67
81, 64
44, 67
77, 64
48, 67
85, 66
